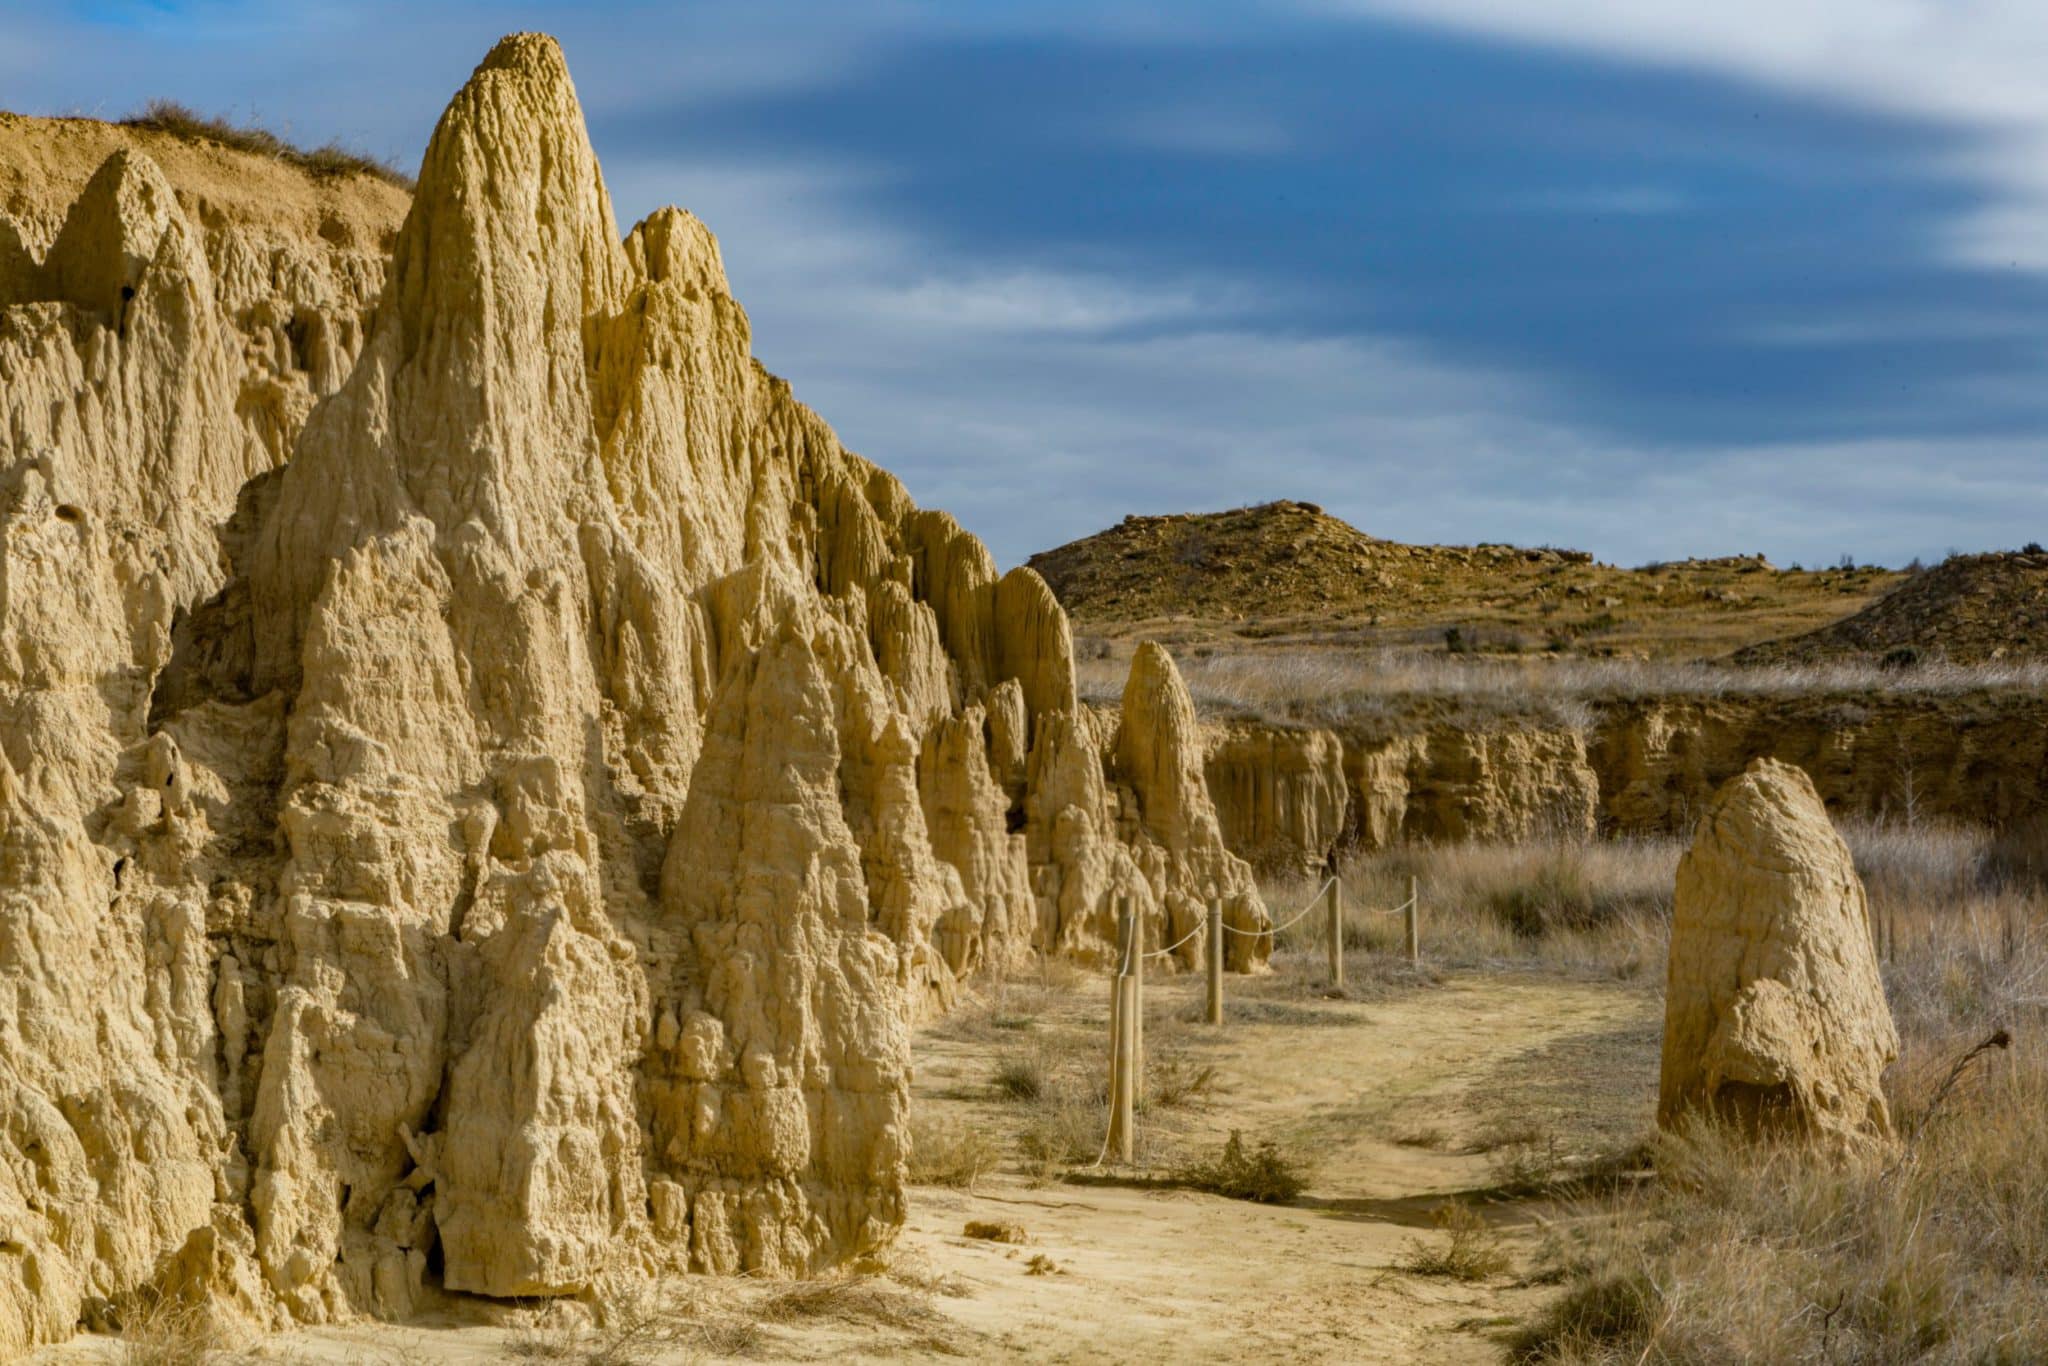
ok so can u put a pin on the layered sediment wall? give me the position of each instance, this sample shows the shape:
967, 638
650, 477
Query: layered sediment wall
1637, 765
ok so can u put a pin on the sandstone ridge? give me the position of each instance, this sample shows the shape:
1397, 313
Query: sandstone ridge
487, 781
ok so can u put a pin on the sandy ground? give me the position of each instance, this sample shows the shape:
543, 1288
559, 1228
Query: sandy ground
1392, 1096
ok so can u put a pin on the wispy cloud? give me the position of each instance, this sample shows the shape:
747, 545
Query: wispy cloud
1060, 263
1975, 64
1041, 405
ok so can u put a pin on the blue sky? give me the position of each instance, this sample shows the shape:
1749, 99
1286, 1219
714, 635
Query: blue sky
1650, 279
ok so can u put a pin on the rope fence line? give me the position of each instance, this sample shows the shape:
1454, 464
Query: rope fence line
1401, 909
1287, 924
1126, 1018
1161, 953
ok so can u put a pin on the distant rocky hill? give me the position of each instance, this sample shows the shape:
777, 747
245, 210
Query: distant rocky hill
1969, 609
1281, 559
1290, 569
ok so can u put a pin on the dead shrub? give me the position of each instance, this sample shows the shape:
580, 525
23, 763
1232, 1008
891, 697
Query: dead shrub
1173, 1080
1059, 1133
1471, 1250
162, 1331
326, 161
863, 1301
1259, 1172
1021, 1076
945, 1151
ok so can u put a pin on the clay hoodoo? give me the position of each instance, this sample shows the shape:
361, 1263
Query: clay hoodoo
1775, 1018
508, 841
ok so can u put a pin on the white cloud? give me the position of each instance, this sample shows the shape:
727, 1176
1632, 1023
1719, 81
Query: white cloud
1039, 404
1040, 401
1974, 64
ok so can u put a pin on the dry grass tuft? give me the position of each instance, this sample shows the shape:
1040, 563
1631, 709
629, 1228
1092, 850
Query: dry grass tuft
1471, 1250
639, 1322
160, 1331
1022, 1076
866, 1302
328, 161
1060, 1133
945, 1151
1175, 1081
1930, 1251
1259, 1172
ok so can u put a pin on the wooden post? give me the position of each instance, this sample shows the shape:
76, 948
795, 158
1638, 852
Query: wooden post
1336, 898
1117, 1045
1137, 996
1414, 923
1215, 960
1123, 1038
1127, 1093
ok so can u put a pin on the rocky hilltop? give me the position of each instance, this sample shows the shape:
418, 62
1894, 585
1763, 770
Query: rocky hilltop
1969, 609
1289, 570
1275, 560
486, 779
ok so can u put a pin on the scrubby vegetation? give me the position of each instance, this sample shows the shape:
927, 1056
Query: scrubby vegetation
1603, 905
1693, 1249
1736, 1251
1469, 1249
948, 1152
330, 159
1331, 683
1257, 1171
642, 1322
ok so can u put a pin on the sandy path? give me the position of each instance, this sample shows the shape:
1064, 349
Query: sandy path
1152, 1273
1157, 1275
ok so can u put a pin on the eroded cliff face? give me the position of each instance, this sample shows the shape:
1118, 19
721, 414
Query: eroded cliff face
494, 826
1282, 795
1642, 766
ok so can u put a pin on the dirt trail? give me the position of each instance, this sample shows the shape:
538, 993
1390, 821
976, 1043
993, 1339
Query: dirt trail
1148, 1272
1166, 1274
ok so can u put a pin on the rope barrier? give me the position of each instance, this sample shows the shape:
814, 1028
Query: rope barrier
1124, 968
1161, 953
1253, 934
